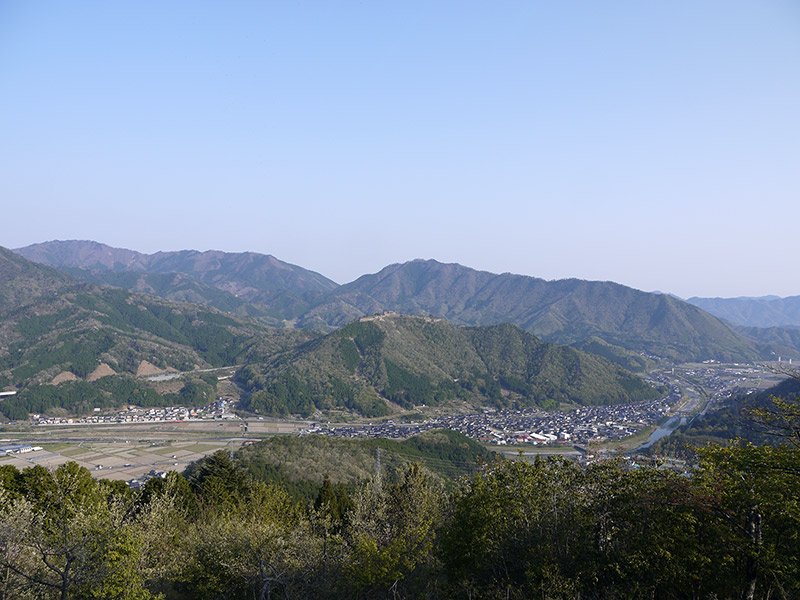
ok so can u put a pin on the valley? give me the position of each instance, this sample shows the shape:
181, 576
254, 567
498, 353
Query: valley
429, 395
127, 445
439, 349
391, 300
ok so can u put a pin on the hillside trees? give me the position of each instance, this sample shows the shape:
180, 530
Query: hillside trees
553, 530
80, 397
779, 414
411, 361
257, 546
518, 528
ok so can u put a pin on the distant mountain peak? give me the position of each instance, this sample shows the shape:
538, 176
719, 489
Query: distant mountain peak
762, 311
565, 311
241, 273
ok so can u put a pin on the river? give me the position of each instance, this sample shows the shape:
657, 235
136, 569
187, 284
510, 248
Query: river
671, 425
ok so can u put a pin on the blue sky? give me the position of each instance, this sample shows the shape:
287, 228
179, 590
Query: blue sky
656, 144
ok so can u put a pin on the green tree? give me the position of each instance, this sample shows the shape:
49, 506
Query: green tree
333, 501
66, 538
218, 481
161, 524
519, 529
260, 548
752, 495
391, 535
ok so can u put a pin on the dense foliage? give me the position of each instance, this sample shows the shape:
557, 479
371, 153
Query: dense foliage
299, 464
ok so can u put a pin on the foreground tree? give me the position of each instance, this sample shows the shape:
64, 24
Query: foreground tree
391, 536
68, 538
751, 495
517, 531
256, 543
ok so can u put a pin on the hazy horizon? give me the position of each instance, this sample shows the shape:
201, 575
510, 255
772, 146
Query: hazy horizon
654, 145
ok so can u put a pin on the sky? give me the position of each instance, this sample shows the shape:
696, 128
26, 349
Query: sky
655, 144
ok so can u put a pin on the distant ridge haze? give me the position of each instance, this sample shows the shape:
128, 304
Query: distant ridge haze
764, 311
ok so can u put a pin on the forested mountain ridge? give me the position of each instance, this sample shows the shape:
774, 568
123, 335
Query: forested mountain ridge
66, 327
273, 309
245, 274
22, 281
779, 338
619, 322
390, 360
51, 323
569, 311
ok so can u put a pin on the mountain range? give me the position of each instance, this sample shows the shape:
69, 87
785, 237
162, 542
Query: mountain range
244, 283
75, 336
244, 274
621, 323
421, 332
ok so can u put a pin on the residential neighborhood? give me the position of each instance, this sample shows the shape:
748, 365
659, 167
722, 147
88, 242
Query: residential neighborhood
221, 408
508, 427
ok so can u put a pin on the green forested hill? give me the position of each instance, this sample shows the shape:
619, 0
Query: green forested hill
272, 307
50, 323
244, 283
633, 361
783, 339
411, 360
22, 281
177, 287
301, 463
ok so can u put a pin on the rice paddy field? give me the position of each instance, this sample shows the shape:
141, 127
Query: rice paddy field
132, 450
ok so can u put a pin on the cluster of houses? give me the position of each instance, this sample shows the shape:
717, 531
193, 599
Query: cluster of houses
724, 382
509, 427
221, 408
